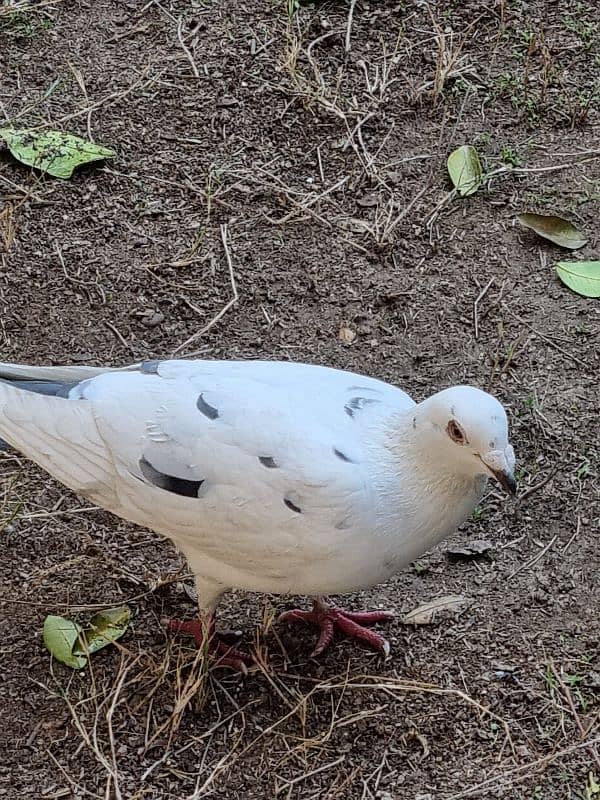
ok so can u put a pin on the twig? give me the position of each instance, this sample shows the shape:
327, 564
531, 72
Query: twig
23, 189
195, 739
305, 206
76, 787
106, 102
109, 718
544, 338
185, 48
393, 686
500, 779
574, 536
320, 163
537, 486
230, 303
25, 5
478, 299
535, 559
349, 26
567, 693
389, 229
305, 775
254, 50
79, 80
119, 336
446, 199
61, 512
219, 767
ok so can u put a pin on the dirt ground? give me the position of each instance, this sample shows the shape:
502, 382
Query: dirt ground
309, 144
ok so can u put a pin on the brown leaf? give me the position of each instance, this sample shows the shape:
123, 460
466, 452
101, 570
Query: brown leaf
425, 614
368, 201
354, 225
475, 549
556, 229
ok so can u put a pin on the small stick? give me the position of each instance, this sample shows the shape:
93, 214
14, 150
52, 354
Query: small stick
479, 298
24, 190
575, 535
521, 772
58, 513
119, 336
234, 299
305, 775
544, 338
406, 210
307, 204
537, 486
320, 162
535, 559
109, 100
254, 50
185, 48
349, 26
567, 693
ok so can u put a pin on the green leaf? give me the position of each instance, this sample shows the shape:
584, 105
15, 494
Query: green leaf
71, 645
60, 635
555, 229
582, 277
593, 787
104, 629
54, 152
464, 168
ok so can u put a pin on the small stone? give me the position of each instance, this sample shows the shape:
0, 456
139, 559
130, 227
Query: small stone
347, 335
153, 320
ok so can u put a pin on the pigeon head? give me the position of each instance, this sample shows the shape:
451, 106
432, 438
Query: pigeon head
466, 431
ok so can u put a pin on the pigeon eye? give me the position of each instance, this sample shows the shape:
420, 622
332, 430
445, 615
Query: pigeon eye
455, 432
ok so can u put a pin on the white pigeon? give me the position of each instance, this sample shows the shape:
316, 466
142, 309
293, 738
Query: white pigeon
269, 476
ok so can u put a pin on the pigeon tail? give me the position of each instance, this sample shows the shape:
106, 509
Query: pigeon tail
46, 387
61, 436
49, 381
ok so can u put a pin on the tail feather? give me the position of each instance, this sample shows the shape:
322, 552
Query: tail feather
49, 388
68, 374
50, 381
61, 436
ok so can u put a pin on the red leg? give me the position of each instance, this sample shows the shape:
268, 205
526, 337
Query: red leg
218, 643
352, 623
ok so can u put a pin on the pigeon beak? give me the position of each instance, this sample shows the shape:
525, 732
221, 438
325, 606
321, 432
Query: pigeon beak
507, 481
500, 463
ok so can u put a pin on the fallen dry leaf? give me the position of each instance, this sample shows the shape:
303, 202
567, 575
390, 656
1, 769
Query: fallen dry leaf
475, 549
556, 229
425, 614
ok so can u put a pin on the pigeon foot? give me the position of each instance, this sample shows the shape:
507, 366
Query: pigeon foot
220, 644
352, 623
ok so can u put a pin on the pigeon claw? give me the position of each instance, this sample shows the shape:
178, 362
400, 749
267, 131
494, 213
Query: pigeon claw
219, 644
352, 623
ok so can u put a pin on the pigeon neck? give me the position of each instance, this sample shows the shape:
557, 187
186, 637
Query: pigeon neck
410, 441
431, 499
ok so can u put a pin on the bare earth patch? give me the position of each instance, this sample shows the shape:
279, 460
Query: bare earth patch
280, 191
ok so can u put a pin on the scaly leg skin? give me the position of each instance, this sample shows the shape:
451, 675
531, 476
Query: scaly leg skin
329, 617
220, 643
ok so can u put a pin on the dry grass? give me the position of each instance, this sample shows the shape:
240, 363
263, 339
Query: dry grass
109, 712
